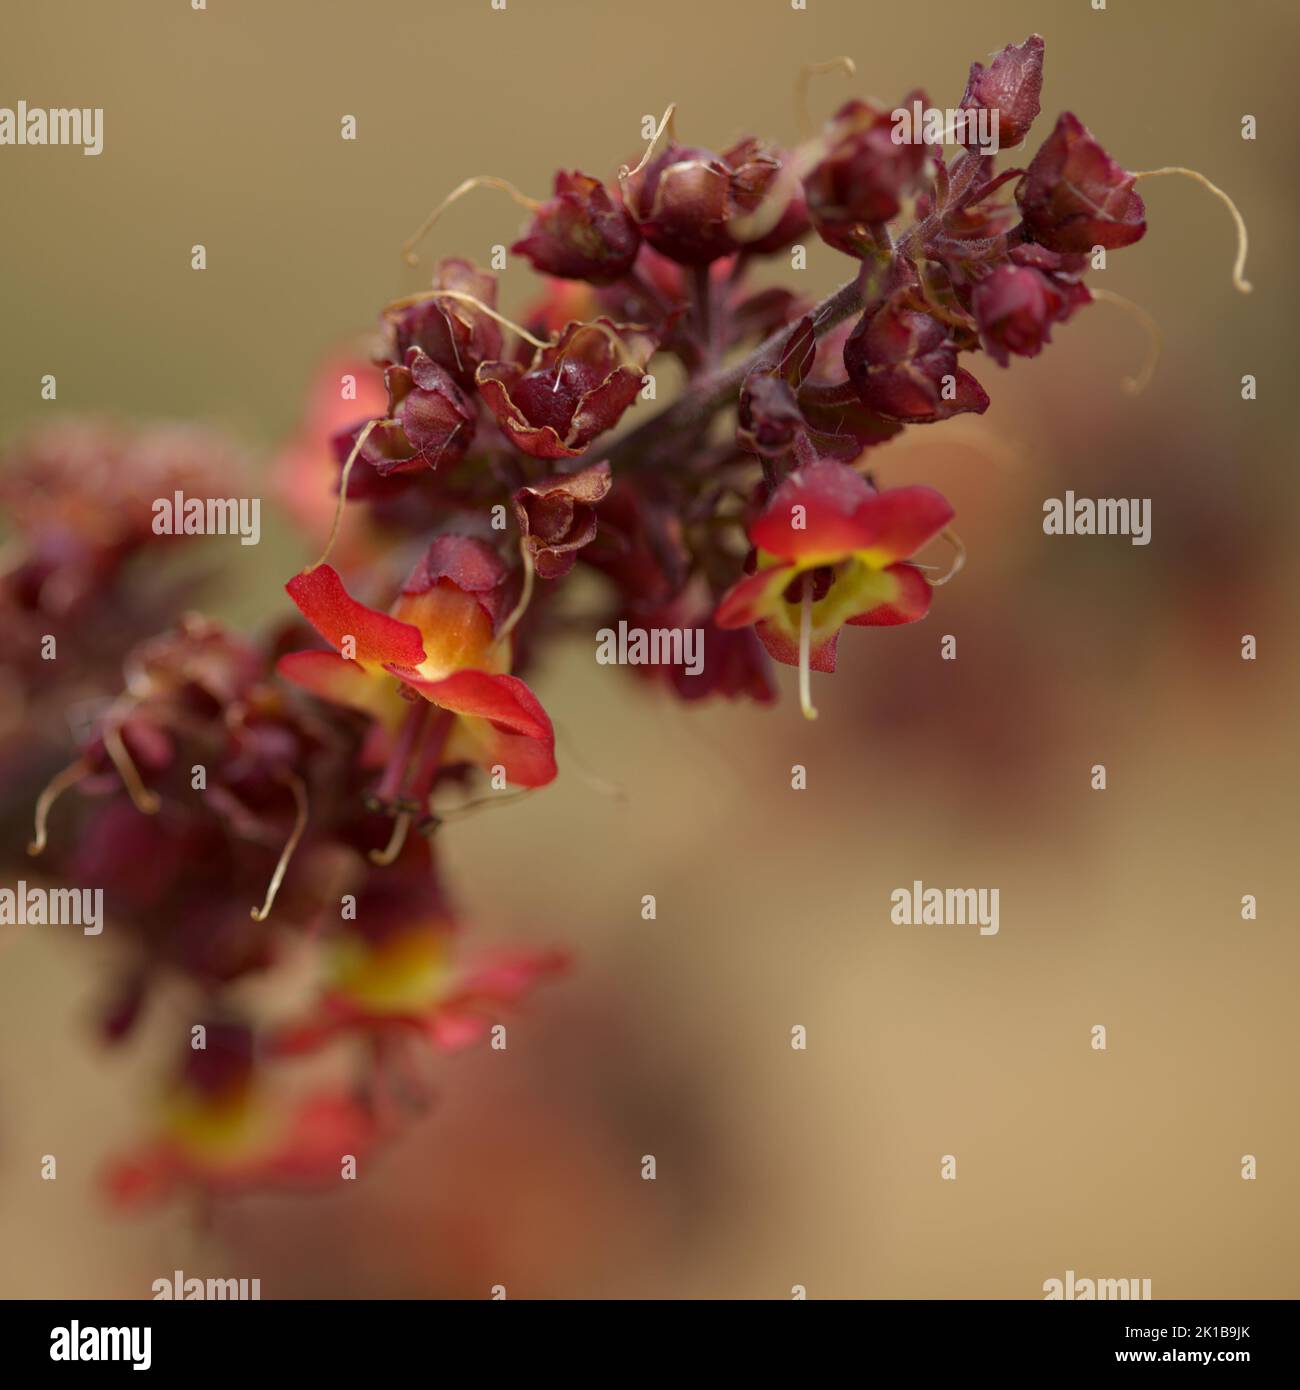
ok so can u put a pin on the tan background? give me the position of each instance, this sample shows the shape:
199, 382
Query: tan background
672, 1038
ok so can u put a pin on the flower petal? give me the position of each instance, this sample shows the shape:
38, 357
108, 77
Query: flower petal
912, 600
896, 523
328, 676
754, 597
335, 614
813, 516
502, 723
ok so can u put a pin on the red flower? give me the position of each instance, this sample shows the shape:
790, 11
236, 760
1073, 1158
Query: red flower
574, 389
1074, 196
558, 517
438, 642
220, 1132
831, 550
397, 970
582, 233
303, 470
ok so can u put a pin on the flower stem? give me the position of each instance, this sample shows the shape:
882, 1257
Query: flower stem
705, 397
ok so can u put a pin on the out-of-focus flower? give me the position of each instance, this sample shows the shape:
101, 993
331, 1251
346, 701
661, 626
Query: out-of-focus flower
222, 1131
399, 969
863, 176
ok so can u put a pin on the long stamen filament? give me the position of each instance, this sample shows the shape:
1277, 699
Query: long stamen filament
598, 784
395, 841
1135, 385
142, 798
805, 649
958, 560
479, 181
424, 297
343, 491
470, 808
525, 596
54, 788
1239, 282
668, 123
296, 785
806, 73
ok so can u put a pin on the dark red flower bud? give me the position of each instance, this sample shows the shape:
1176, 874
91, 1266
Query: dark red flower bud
432, 420
1011, 86
1017, 304
863, 176
1015, 308
582, 233
1074, 196
904, 366
575, 388
455, 334
694, 205
558, 517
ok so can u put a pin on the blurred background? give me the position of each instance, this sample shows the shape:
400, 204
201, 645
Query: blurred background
775, 1167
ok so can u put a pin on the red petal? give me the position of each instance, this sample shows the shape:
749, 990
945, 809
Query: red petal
502, 723
328, 676
814, 513
897, 523
783, 648
754, 597
912, 601
335, 614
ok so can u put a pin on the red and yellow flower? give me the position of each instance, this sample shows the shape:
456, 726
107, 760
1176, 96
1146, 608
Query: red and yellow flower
830, 550
220, 1131
397, 971
432, 672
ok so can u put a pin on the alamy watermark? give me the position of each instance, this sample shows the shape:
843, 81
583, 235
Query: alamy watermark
919, 906
1101, 1290
53, 125
655, 646
191, 1290
179, 515
54, 907
77, 1343
975, 128
1100, 516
